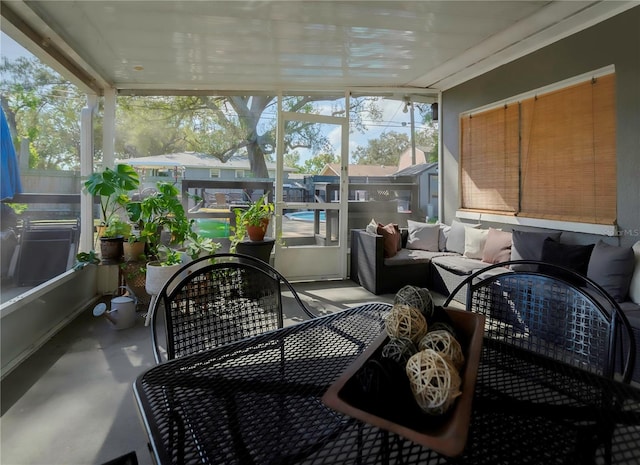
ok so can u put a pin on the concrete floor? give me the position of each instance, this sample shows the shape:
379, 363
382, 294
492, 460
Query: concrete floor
72, 402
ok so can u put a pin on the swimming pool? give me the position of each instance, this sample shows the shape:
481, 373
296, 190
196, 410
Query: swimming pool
306, 215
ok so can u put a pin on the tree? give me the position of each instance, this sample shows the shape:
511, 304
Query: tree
43, 107
225, 126
315, 164
46, 108
385, 150
292, 160
427, 138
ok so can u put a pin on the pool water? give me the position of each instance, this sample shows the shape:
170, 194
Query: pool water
212, 228
304, 216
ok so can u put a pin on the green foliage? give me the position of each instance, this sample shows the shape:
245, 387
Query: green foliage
86, 258
117, 228
385, 150
167, 256
315, 164
259, 210
161, 210
43, 107
18, 208
199, 244
251, 216
112, 186
225, 127
292, 160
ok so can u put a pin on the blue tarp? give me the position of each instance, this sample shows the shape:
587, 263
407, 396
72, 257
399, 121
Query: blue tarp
10, 172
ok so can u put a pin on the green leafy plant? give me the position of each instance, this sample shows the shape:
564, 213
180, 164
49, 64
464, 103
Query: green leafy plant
136, 238
160, 211
254, 215
18, 208
86, 258
199, 244
259, 210
112, 186
167, 256
117, 228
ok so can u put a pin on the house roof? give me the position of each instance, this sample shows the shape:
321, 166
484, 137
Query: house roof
157, 46
191, 160
416, 169
333, 169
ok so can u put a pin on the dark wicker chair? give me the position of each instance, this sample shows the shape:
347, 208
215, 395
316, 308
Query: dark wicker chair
216, 300
555, 312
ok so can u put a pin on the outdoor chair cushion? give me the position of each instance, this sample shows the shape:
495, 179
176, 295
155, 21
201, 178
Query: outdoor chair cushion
527, 245
612, 268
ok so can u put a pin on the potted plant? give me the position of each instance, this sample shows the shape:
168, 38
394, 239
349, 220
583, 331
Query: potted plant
252, 221
160, 270
162, 211
133, 248
112, 187
112, 238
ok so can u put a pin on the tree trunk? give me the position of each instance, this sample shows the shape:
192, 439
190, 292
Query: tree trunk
257, 161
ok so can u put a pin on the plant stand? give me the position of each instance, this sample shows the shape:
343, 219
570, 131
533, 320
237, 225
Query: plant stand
258, 249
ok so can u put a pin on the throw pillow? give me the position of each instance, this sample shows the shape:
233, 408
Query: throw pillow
634, 286
372, 227
444, 233
574, 257
455, 241
527, 245
497, 249
423, 236
612, 267
474, 240
390, 234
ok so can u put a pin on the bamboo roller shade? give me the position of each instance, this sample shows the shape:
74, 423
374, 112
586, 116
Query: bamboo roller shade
552, 156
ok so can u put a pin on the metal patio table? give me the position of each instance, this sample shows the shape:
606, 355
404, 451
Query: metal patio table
258, 401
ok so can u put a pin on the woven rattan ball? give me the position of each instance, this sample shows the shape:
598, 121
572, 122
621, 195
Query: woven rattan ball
434, 381
443, 342
418, 297
442, 326
399, 349
405, 321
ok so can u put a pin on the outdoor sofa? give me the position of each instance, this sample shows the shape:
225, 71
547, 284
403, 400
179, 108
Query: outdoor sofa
440, 257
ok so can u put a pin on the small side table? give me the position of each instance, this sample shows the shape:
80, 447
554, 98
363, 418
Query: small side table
258, 249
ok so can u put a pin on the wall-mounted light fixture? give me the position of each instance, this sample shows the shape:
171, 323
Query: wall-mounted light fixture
434, 111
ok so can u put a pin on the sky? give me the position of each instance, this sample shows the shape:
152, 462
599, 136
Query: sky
11, 49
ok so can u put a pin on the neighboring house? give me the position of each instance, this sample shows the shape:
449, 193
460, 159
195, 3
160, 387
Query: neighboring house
406, 158
195, 166
333, 169
426, 175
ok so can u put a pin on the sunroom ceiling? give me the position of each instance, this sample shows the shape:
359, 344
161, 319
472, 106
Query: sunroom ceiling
159, 46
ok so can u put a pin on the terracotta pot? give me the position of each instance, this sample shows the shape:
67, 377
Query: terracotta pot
133, 250
256, 233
